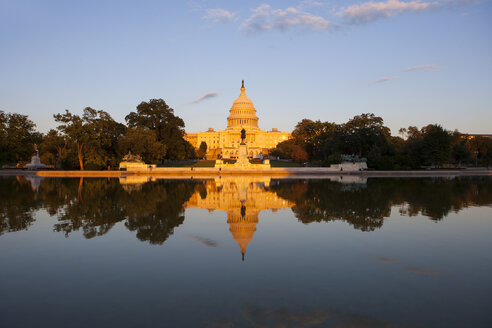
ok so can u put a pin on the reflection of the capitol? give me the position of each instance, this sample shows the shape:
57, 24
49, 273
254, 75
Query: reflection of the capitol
242, 198
154, 206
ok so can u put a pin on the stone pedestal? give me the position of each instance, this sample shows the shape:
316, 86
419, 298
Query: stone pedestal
242, 159
35, 163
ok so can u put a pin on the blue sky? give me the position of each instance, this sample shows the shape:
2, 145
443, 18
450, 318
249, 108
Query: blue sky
411, 62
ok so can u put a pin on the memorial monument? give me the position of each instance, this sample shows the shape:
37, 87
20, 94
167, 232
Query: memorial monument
35, 162
132, 162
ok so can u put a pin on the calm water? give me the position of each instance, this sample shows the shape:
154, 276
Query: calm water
246, 252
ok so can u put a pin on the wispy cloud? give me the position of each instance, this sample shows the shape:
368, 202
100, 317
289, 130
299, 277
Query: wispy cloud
370, 11
219, 15
423, 68
264, 18
384, 79
206, 96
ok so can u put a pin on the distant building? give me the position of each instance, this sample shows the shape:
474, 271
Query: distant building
478, 135
225, 143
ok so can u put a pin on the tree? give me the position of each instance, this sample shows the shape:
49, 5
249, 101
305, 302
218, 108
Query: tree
481, 149
436, 145
76, 131
413, 144
157, 116
202, 150
329, 143
363, 135
144, 143
55, 144
94, 135
459, 152
309, 134
3, 136
17, 137
363, 132
105, 133
304, 132
284, 149
299, 155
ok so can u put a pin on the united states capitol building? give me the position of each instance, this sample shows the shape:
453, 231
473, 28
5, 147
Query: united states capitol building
225, 143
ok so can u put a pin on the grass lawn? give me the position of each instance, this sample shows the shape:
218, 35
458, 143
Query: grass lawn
192, 163
211, 163
284, 164
206, 163
178, 164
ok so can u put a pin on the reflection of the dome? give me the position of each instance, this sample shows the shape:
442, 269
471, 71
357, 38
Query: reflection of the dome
242, 198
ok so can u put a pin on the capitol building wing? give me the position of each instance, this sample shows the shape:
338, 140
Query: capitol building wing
225, 143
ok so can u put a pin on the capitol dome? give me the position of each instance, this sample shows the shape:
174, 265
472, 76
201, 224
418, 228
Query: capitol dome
242, 113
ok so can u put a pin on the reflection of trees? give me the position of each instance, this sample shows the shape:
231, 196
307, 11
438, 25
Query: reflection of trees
95, 208
157, 209
56, 193
153, 210
96, 205
436, 197
325, 200
366, 207
17, 204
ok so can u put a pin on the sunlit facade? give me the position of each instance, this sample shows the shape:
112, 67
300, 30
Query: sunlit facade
225, 143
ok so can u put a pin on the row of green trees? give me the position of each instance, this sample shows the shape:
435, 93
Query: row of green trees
94, 140
366, 136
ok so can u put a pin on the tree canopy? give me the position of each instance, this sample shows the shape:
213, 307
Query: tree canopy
155, 115
366, 136
202, 150
93, 136
17, 138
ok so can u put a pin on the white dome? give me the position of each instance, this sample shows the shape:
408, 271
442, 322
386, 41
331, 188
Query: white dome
242, 113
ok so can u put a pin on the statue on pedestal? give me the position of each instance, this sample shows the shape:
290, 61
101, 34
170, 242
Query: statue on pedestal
132, 162
243, 136
35, 161
132, 158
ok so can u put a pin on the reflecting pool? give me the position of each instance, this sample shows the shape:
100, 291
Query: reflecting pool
246, 252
